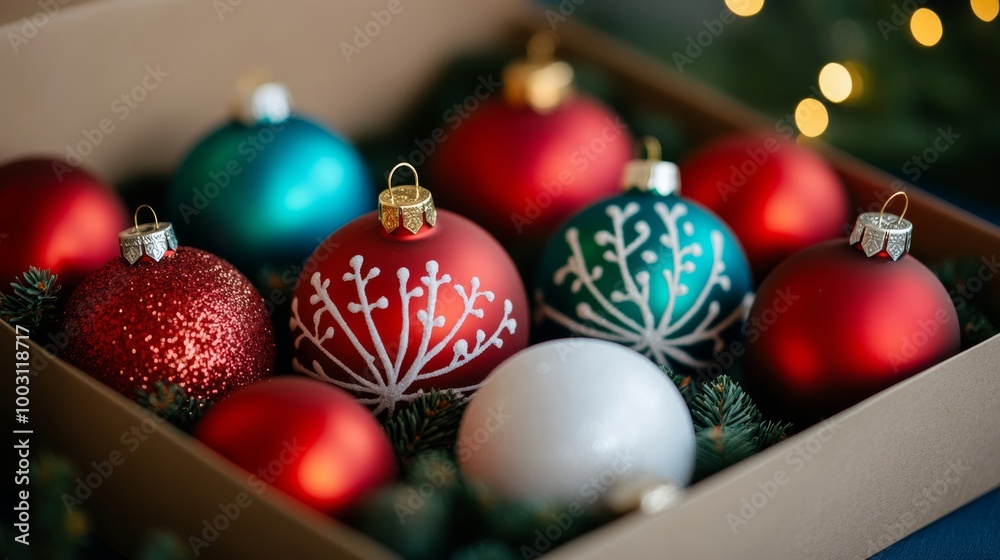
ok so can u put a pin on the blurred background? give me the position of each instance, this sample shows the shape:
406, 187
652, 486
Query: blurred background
911, 86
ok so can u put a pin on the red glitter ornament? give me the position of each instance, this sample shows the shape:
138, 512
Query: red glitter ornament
312, 441
521, 165
176, 314
778, 197
840, 321
407, 299
56, 217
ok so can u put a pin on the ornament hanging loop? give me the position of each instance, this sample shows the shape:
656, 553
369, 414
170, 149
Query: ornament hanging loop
906, 204
652, 146
150, 240
135, 217
879, 233
411, 206
416, 178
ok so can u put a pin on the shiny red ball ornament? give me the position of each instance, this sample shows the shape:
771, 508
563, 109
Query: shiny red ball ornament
312, 441
166, 313
407, 299
56, 217
777, 196
519, 166
840, 321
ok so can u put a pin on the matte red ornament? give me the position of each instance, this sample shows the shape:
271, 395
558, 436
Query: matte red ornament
312, 441
177, 315
407, 299
832, 325
56, 217
777, 196
520, 165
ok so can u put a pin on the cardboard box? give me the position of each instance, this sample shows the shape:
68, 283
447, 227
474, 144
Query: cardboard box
842, 489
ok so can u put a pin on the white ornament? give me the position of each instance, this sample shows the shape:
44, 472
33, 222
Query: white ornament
576, 419
664, 338
387, 378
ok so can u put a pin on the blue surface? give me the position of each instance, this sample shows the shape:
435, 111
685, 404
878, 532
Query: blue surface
969, 533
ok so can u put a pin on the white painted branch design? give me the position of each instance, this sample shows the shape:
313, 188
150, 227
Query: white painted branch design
386, 379
665, 338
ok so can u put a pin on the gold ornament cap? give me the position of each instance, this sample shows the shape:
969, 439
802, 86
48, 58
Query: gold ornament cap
539, 81
652, 174
152, 240
408, 205
879, 231
260, 100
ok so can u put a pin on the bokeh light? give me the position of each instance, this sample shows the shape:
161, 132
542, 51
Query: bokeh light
811, 117
745, 8
835, 82
925, 25
986, 10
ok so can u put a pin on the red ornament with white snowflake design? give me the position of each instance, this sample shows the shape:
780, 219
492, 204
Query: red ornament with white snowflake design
407, 299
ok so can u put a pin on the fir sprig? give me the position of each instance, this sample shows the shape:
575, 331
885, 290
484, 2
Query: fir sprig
32, 302
956, 274
728, 425
174, 405
429, 423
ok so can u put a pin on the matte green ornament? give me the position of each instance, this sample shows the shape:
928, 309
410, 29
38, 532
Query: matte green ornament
648, 269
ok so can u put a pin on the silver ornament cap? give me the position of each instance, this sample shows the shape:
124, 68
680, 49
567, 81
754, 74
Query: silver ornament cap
152, 240
651, 174
881, 231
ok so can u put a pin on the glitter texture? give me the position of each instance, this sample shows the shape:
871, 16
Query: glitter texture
190, 319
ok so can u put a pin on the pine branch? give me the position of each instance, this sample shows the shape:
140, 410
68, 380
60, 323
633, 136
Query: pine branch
429, 423
32, 302
728, 426
173, 404
955, 274
685, 384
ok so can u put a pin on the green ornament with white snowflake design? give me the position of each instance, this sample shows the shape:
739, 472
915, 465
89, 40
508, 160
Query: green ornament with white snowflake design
648, 269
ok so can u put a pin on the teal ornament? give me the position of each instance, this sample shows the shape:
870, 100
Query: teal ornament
651, 270
263, 191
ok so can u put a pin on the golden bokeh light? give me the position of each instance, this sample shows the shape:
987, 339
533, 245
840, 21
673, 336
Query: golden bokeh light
835, 82
986, 10
811, 117
925, 25
745, 8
